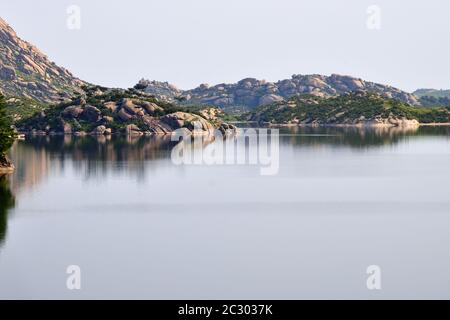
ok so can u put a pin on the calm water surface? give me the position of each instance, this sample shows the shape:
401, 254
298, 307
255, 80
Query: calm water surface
141, 227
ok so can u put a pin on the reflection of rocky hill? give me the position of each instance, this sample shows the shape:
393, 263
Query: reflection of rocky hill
250, 93
33, 165
101, 148
39, 156
355, 137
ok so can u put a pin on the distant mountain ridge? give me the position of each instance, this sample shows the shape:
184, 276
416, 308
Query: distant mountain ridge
433, 97
432, 93
250, 93
25, 72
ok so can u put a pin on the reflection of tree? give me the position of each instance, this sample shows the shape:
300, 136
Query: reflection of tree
7, 201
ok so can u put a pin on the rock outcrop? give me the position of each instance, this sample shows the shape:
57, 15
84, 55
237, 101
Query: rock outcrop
25, 72
117, 111
250, 93
194, 123
6, 165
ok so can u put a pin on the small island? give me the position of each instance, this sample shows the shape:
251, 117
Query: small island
106, 111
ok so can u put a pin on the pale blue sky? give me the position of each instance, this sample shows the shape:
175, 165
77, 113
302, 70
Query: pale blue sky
188, 42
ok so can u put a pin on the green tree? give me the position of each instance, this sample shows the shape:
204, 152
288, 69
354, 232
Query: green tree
6, 132
180, 99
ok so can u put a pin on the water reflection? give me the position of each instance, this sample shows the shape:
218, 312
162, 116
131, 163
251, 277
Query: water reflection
94, 157
357, 137
7, 201
36, 157
344, 198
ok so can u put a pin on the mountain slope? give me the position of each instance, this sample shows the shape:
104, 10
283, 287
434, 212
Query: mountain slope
25, 72
250, 93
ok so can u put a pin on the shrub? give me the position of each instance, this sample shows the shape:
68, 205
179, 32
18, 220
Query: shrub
7, 133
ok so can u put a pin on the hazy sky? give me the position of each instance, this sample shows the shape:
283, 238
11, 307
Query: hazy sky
188, 42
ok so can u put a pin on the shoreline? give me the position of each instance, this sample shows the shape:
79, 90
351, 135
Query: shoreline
435, 124
344, 125
6, 166
22, 135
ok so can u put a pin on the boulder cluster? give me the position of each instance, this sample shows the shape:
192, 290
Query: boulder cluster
133, 115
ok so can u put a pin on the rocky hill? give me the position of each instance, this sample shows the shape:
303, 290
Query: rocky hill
103, 111
250, 93
357, 108
25, 72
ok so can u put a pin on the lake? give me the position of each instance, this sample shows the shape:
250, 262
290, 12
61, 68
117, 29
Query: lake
140, 226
